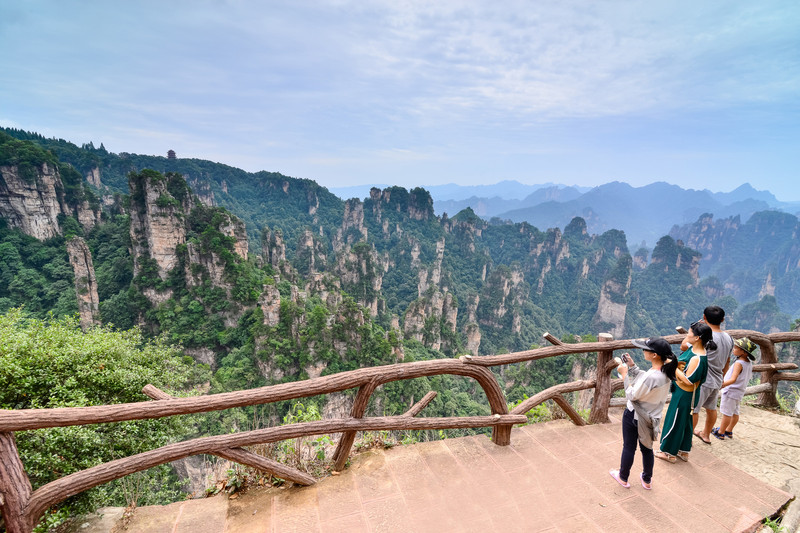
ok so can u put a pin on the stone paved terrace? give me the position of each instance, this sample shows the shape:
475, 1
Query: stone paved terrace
554, 477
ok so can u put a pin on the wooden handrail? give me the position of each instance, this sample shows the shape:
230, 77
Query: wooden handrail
24, 419
22, 508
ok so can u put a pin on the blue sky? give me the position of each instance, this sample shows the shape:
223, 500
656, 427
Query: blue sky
699, 94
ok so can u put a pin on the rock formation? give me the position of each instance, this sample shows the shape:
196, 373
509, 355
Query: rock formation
32, 203
157, 225
85, 282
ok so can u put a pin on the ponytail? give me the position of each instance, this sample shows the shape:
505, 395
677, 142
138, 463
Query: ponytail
706, 335
669, 367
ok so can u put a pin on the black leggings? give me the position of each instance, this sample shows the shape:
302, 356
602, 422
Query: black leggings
630, 436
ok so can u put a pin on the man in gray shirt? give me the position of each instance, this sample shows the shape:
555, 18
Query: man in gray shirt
718, 361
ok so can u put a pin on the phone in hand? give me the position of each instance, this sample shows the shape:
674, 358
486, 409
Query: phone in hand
627, 359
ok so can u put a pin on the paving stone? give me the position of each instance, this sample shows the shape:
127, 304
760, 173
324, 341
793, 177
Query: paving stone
556, 444
352, 523
206, 515
536, 516
337, 496
155, 518
387, 515
665, 498
552, 478
651, 517
296, 510
373, 480
252, 511
577, 522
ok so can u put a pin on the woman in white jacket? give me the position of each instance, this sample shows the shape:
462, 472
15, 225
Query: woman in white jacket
646, 393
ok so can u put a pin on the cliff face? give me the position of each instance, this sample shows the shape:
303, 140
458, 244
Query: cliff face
273, 249
753, 259
164, 214
157, 225
310, 257
85, 281
32, 205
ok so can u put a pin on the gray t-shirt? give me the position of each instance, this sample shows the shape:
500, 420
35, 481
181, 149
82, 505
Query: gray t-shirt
718, 358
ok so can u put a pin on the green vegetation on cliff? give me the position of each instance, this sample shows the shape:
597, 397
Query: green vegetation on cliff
52, 363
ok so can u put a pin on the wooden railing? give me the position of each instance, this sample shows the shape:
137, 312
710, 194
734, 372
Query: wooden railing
22, 507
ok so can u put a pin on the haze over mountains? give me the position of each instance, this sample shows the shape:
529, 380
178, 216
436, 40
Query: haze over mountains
644, 213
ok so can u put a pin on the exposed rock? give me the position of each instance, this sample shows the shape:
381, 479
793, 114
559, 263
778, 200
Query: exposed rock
613, 302
610, 310
640, 260
196, 472
338, 406
33, 205
273, 248
504, 292
315, 371
432, 277
93, 177
361, 273
353, 229
327, 287
473, 334
768, 288
156, 223
202, 189
578, 373
201, 266
310, 256
270, 303
202, 355
435, 305
87, 217
235, 228
85, 282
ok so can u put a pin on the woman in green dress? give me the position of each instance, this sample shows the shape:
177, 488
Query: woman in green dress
676, 435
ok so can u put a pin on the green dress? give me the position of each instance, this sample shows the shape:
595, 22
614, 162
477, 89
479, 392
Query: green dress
676, 434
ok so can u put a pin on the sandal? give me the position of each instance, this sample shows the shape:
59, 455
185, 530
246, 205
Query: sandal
716, 433
647, 486
700, 436
615, 475
683, 456
729, 434
665, 456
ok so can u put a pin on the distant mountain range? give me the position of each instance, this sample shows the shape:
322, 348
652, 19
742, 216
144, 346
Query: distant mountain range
649, 212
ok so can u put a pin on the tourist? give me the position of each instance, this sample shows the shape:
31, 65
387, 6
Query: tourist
733, 387
646, 393
718, 361
676, 440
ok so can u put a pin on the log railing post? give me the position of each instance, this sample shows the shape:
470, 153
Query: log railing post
767, 398
602, 391
15, 487
348, 437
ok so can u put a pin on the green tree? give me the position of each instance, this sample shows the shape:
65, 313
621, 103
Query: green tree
52, 363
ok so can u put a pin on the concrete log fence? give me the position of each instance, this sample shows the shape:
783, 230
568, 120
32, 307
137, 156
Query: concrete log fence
22, 507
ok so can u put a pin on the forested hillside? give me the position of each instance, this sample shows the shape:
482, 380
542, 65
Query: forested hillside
263, 278
753, 259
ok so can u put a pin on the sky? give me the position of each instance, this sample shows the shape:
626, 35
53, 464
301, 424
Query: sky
701, 94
